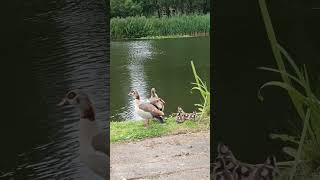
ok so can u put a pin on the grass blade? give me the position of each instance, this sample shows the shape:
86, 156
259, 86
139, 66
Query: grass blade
301, 143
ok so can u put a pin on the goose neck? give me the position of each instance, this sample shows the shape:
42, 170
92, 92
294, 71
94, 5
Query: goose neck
87, 112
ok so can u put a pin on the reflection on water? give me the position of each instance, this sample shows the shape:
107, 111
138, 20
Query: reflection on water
163, 64
139, 52
64, 48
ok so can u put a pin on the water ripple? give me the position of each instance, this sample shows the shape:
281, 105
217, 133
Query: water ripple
70, 53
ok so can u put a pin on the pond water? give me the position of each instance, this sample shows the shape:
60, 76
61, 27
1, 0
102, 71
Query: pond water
162, 64
59, 46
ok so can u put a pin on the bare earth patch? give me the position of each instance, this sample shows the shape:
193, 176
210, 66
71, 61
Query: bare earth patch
183, 156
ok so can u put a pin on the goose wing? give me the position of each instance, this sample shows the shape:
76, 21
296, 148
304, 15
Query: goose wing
100, 143
148, 107
158, 103
156, 100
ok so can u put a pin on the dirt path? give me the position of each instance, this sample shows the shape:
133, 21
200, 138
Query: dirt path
184, 156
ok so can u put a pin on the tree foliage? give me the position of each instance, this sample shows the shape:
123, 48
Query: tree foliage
159, 8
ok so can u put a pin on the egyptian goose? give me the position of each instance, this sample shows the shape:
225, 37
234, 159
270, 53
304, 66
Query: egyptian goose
94, 151
146, 110
154, 97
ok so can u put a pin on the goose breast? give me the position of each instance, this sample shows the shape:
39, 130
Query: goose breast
151, 109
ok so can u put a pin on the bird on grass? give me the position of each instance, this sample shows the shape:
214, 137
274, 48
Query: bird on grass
153, 97
146, 110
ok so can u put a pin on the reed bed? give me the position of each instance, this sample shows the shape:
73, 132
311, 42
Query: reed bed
141, 27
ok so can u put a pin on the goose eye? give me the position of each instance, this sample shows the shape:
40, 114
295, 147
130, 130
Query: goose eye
71, 95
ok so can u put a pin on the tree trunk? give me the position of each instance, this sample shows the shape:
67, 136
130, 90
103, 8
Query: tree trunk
158, 9
204, 7
159, 12
190, 10
168, 12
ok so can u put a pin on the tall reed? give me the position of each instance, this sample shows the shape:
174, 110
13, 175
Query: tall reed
204, 92
306, 153
139, 26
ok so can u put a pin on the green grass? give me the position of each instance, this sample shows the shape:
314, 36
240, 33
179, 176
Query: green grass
135, 130
151, 27
305, 148
204, 91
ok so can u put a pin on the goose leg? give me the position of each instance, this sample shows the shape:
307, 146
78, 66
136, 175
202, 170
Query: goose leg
146, 123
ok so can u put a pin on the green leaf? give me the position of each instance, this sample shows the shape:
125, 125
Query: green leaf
290, 151
290, 60
285, 137
284, 73
287, 87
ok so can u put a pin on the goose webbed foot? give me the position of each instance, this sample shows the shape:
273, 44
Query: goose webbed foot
146, 123
160, 119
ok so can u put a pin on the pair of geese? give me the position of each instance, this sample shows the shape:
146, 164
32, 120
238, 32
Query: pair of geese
148, 110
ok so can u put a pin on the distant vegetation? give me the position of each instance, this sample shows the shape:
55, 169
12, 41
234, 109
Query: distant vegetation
159, 18
158, 8
138, 27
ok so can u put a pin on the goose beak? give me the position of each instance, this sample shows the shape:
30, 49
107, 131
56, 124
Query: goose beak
62, 102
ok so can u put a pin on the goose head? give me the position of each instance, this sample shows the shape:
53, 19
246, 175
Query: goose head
153, 92
134, 94
81, 100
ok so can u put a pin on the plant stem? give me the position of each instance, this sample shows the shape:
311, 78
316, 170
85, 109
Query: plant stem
301, 143
277, 54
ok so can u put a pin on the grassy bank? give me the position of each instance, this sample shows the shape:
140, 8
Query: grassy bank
134, 130
142, 27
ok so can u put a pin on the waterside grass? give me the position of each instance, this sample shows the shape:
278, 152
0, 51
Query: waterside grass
153, 27
305, 149
204, 91
135, 130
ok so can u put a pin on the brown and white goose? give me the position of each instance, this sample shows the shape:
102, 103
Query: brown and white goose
159, 103
146, 110
94, 150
